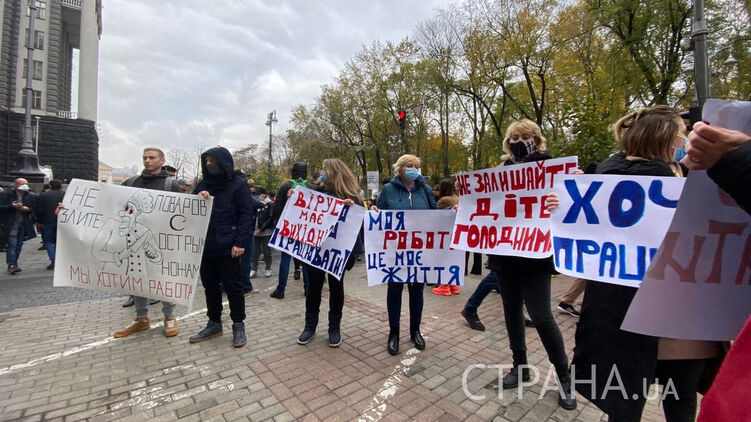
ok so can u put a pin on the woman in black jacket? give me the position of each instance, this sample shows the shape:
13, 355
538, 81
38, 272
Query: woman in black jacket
526, 281
337, 180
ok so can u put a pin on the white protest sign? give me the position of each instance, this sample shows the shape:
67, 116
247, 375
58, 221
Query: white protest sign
502, 210
132, 241
608, 227
699, 283
412, 247
308, 216
333, 253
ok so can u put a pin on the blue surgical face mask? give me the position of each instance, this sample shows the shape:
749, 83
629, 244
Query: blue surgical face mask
679, 153
322, 177
411, 174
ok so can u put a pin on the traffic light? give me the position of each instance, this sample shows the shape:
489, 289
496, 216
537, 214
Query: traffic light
402, 114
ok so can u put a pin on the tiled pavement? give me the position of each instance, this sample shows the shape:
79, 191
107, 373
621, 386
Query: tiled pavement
58, 360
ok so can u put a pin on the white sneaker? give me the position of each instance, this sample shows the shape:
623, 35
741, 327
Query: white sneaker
268, 273
252, 273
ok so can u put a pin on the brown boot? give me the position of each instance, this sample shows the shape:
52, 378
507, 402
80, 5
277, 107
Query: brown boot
170, 327
140, 324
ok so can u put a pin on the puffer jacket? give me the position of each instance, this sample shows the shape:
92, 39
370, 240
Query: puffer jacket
233, 213
395, 196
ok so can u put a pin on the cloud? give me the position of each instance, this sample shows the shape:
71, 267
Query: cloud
177, 73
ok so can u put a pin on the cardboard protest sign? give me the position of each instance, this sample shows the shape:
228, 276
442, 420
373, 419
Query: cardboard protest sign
308, 216
412, 247
608, 227
127, 240
699, 283
502, 210
333, 253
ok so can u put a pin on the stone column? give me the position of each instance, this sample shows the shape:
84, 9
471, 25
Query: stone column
88, 61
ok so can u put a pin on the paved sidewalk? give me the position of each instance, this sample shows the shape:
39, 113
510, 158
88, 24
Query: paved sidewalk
58, 360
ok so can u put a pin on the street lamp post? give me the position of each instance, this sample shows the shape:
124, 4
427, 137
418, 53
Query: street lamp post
27, 161
271, 119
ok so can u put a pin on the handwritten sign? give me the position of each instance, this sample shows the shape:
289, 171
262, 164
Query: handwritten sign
131, 241
699, 283
608, 228
412, 247
502, 210
308, 216
335, 250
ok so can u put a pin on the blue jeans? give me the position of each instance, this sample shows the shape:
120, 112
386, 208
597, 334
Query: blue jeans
49, 238
487, 284
15, 243
284, 273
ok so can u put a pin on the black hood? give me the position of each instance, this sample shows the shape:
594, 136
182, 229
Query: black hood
299, 170
223, 158
618, 164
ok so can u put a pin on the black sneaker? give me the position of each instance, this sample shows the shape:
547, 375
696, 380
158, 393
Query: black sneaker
51, 266
297, 274
213, 329
566, 308
528, 323
276, 294
472, 319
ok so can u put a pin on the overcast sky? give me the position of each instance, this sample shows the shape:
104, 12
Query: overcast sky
176, 72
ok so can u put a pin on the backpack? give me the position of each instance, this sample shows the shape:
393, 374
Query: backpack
298, 182
132, 180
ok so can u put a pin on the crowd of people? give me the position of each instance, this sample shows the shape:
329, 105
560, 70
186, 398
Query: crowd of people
653, 142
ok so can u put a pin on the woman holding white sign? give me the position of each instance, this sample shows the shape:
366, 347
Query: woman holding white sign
526, 281
336, 179
406, 191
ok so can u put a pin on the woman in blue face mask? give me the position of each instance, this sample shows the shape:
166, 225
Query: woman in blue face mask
406, 191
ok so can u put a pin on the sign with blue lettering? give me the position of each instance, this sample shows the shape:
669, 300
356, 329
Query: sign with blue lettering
699, 284
608, 227
334, 251
412, 247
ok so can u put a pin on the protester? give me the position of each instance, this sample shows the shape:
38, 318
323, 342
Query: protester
153, 177
246, 263
171, 171
406, 191
526, 281
45, 212
336, 179
18, 206
264, 230
299, 174
230, 227
447, 199
651, 140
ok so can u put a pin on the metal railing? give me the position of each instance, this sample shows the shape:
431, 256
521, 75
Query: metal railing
72, 3
67, 114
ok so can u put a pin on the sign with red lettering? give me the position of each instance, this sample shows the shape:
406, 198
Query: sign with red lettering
502, 209
309, 216
607, 227
131, 241
412, 247
698, 285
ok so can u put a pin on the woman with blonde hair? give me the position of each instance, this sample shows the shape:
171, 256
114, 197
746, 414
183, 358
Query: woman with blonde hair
336, 179
526, 281
406, 191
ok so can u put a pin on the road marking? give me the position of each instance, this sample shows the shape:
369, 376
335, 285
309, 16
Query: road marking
59, 355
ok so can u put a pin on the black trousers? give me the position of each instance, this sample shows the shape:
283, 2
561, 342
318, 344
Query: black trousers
316, 278
213, 271
526, 285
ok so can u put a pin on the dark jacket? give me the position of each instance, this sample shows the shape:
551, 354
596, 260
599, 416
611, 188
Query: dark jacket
47, 204
733, 174
265, 217
9, 211
299, 172
496, 262
154, 181
394, 196
233, 212
599, 338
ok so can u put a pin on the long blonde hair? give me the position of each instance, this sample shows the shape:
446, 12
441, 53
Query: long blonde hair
340, 180
649, 132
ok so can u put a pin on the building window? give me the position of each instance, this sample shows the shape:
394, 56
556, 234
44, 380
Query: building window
41, 9
36, 99
38, 39
37, 71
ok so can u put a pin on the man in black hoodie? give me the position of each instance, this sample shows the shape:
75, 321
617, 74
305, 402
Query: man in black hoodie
230, 230
45, 210
299, 174
154, 177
